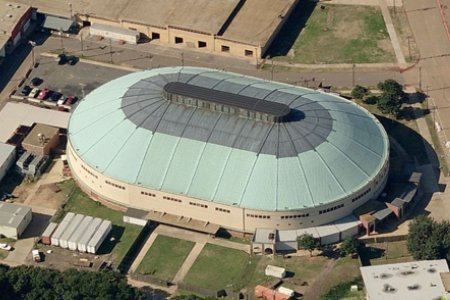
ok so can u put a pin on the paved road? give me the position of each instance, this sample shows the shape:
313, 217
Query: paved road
432, 73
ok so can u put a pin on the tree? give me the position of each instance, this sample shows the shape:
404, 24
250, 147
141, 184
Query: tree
359, 92
308, 242
390, 86
371, 99
389, 104
429, 239
349, 246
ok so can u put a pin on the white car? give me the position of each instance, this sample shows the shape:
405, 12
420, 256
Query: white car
34, 92
61, 100
6, 247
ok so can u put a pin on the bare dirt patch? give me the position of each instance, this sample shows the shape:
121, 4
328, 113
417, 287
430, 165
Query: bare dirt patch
349, 30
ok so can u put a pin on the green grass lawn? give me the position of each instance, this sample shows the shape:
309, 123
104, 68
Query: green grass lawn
165, 257
219, 267
124, 233
326, 33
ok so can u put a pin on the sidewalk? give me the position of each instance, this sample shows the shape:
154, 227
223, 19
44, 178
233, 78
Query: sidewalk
151, 239
188, 262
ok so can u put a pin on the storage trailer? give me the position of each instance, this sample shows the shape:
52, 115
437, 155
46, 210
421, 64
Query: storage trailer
61, 228
73, 240
98, 238
47, 234
87, 235
64, 240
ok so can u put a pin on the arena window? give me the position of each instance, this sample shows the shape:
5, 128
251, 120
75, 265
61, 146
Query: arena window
295, 216
198, 204
89, 172
258, 216
362, 195
223, 210
115, 185
172, 199
330, 209
147, 194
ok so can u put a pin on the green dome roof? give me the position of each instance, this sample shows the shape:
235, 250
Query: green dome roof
212, 145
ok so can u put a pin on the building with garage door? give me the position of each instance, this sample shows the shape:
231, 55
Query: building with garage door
228, 149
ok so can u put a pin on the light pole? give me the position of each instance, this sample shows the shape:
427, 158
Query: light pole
33, 44
182, 59
110, 52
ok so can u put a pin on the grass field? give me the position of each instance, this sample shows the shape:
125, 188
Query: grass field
219, 267
165, 257
125, 234
404, 32
387, 253
321, 33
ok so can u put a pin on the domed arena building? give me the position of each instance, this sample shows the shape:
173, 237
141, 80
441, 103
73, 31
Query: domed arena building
226, 149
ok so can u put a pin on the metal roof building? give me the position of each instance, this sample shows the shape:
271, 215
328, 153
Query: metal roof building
14, 219
230, 140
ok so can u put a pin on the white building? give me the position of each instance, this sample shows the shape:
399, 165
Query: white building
7, 156
417, 280
14, 219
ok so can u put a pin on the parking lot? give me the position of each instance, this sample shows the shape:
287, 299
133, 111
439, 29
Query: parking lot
70, 80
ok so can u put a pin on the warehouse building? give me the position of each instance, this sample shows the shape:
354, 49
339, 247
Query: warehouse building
200, 145
14, 219
14, 22
7, 158
415, 280
41, 139
239, 28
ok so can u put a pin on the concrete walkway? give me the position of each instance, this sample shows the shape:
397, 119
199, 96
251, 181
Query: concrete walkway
230, 244
392, 34
151, 239
188, 262
365, 66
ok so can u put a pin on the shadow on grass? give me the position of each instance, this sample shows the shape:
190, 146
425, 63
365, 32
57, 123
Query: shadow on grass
108, 245
290, 31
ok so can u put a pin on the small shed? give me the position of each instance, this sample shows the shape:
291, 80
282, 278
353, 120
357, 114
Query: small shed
99, 236
14, 219
287, 240
274, 271
47, 234
136, 217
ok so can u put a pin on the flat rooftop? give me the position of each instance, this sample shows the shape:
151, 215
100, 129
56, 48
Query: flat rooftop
257, 20
412, 280
5, 152
13, 115
10, 15
206, 16
12, 214
40, 135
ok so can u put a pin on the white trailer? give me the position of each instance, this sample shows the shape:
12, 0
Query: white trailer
87, 235
115, 33
64, 240
61, 228
99, 236
73, 240
275, 271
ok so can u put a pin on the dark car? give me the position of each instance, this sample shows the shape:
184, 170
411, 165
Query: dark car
55, 96
62, 59
36, 81
70, 100
26, 90
72, 60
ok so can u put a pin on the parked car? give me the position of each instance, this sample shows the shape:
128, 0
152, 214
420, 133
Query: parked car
55, 96
43, 94
61, 100
6, 247
36, 81
72, 60
26, 90
34, 92
70, 100
62, 59
36, 255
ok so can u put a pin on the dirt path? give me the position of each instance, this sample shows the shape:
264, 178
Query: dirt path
315, 289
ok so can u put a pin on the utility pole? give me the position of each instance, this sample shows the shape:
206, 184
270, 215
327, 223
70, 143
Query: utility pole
182, 59
395, 11
81, 40
271, 70
62, 42
33, 44
353, 75
420, 78
409, 47
110, 52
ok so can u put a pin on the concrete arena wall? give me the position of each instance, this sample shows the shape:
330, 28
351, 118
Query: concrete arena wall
229, 217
